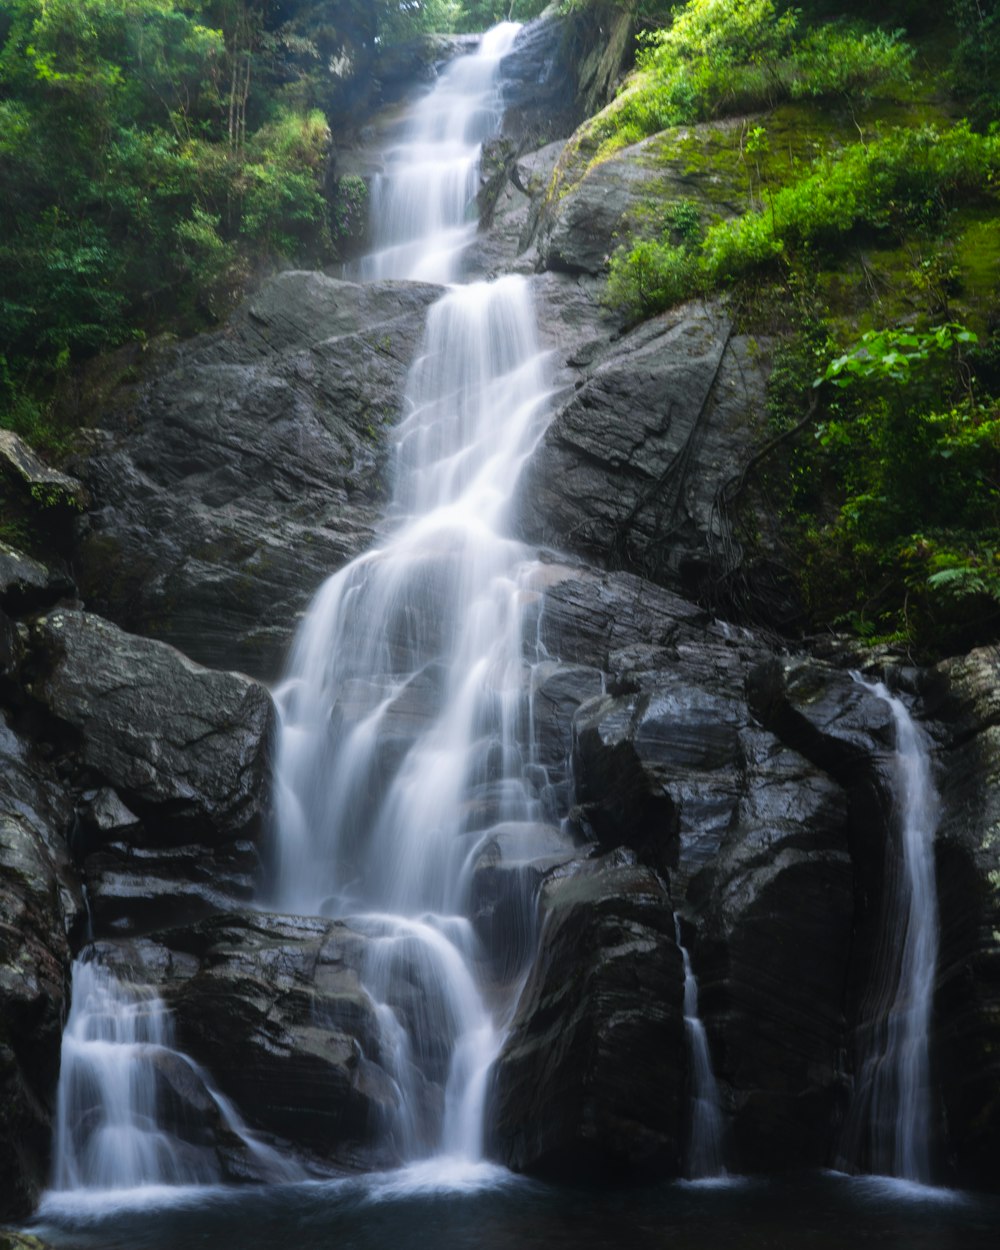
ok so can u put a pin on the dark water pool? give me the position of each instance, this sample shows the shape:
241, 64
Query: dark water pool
487, 1208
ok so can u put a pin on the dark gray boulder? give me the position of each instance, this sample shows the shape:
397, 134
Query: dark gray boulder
27, 585
246, 466
771, 950
41, 910
273, 1007
184, 746
134, 888
510, 864
590, 1081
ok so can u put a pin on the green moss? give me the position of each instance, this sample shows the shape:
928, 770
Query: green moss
977, 260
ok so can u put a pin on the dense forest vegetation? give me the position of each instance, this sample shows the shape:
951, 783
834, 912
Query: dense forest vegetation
157, 155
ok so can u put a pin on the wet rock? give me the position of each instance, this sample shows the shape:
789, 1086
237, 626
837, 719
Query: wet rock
629, 470
637, 757
26, 585
277, 1015
186, 747
247, 466
538, 84
590, 1081
40, 908
595, 619
136, 889
47, 485
966, 1040
510, 865
107, 815
772, 957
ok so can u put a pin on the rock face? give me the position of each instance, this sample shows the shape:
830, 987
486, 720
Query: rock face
587, 1085
185, 746
25, 584
963, 693
595, 202
247, 468
274, 1009
773, 953
170, 766
41, 909
630, 469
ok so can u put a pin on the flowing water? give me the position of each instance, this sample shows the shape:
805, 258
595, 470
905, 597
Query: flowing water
892, 1102
405, 718
704, 1154
423, 203
118, 1071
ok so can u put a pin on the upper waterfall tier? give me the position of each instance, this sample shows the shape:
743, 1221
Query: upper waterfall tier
422, 205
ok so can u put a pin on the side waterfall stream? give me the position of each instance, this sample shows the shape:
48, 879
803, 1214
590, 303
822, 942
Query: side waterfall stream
890, 1122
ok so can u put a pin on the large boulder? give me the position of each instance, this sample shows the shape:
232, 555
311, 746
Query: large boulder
595, 202
26, 584
274, 1008
246, 466
772, 949
186, 747
590, 1082
41, 911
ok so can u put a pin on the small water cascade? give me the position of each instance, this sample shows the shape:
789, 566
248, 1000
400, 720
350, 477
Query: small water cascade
892, 1101
704, 1153
120, 1113
405, 715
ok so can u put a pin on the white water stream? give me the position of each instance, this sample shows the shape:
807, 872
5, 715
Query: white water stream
704, 1153
423, 203
894, 1083
117, 1069
405, 712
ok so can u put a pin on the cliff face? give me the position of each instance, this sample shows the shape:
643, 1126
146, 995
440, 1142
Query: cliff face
708, 776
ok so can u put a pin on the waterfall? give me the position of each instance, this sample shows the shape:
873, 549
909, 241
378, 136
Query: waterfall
894, 1083
704, 1155
405, 717
422, 205
123, 1093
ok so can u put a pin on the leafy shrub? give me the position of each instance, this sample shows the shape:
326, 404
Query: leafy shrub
650, 276
722, 57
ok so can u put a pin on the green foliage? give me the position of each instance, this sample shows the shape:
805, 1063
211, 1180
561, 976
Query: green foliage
652, 275
905, 181
976, 61
350, 208
897, 355
902, 433
721, 57
152, 154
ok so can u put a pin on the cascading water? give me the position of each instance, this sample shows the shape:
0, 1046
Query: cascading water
422, 204
893, 1091
704, 1155
119, 1070
404, 717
